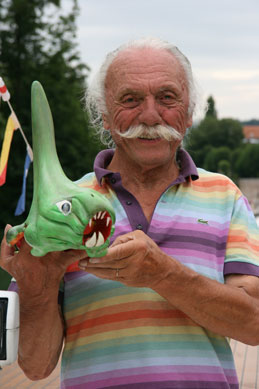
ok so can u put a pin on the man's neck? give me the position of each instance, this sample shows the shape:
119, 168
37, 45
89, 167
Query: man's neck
144, 177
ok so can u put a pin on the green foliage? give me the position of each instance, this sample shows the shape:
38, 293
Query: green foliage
252, 122
38, 42
211, 111
224, 167
215, 156
5, 279
248, 161
215, 144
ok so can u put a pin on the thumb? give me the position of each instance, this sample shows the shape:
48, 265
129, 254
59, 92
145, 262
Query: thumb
6, 250
7, 228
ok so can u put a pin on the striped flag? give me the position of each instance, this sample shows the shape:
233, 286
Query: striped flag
20, 208
4, 93
8, 136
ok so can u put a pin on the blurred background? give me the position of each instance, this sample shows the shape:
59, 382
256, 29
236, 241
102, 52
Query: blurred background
61, 43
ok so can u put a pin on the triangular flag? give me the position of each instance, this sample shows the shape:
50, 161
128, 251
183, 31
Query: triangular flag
20, 208
10, 127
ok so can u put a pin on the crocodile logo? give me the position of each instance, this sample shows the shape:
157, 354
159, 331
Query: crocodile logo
202, 221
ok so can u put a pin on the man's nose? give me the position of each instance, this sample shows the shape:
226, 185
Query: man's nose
149, 114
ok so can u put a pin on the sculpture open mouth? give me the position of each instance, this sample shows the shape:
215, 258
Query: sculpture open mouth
97, 230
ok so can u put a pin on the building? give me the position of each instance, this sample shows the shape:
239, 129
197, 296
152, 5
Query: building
251, 133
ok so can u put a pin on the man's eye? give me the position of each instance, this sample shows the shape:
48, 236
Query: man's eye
167, 98
130, 101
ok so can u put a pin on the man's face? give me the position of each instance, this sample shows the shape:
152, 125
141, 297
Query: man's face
146, 86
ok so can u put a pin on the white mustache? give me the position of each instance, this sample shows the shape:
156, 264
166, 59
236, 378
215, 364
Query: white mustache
151, 132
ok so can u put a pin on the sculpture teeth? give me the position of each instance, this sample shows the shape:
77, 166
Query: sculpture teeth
108, 221
100, 239
99, 215
92, 241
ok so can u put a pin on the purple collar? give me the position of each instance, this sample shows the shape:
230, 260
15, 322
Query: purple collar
187, 166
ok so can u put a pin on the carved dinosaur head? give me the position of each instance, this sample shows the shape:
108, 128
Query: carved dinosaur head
62, 215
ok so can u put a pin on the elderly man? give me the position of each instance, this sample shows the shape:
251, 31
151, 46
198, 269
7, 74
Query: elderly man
181, 273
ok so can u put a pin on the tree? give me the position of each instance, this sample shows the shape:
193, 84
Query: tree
211, 111
214, 140
213, 159
34, 46
38, 42
248, 161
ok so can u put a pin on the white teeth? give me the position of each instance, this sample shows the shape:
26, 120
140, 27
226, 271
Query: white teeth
97, 239
92, 241
99, 215
100, 239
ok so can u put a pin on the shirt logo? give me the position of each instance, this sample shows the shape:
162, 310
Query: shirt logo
202, 221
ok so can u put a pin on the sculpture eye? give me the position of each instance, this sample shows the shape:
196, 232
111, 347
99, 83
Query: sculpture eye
65, 207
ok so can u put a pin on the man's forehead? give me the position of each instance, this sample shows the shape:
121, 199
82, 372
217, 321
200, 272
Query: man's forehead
142, 62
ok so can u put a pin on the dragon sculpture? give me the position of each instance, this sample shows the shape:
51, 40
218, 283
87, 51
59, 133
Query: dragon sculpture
62, 215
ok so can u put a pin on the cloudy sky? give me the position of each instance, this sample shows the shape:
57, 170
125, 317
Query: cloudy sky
220, 38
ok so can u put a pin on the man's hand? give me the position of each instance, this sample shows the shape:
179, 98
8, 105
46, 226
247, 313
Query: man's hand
133, 259
229, 309
38, 280
34, 275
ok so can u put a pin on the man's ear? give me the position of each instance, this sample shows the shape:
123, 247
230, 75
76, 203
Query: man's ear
189, 122
106, 123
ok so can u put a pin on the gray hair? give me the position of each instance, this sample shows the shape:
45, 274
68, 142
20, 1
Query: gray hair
95, 94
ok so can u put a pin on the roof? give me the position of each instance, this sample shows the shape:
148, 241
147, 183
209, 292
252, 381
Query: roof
251, 132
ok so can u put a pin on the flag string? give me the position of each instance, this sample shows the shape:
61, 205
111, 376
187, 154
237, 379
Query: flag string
4, 93
12, 125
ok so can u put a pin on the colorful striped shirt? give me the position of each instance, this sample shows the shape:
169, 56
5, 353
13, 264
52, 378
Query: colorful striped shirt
132, 338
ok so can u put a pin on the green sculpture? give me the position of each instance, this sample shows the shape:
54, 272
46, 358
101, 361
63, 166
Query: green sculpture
62, 215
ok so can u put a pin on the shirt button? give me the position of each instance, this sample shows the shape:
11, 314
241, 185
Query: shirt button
129, 202
139, 227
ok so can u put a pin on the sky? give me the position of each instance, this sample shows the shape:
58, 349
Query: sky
220, 38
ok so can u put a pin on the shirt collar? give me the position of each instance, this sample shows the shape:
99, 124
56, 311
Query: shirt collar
104, 157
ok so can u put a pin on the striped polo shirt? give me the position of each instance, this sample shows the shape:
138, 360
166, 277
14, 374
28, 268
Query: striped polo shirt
132, 338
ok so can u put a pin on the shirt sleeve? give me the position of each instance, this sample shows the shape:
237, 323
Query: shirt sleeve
13, 286
242, 251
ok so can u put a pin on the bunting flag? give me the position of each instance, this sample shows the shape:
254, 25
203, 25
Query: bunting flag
13, 124
20, 208
10, 127
4, 93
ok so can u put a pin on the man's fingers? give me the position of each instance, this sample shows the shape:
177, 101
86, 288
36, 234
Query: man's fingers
116, 253
123, 239
71, 256
6, 250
